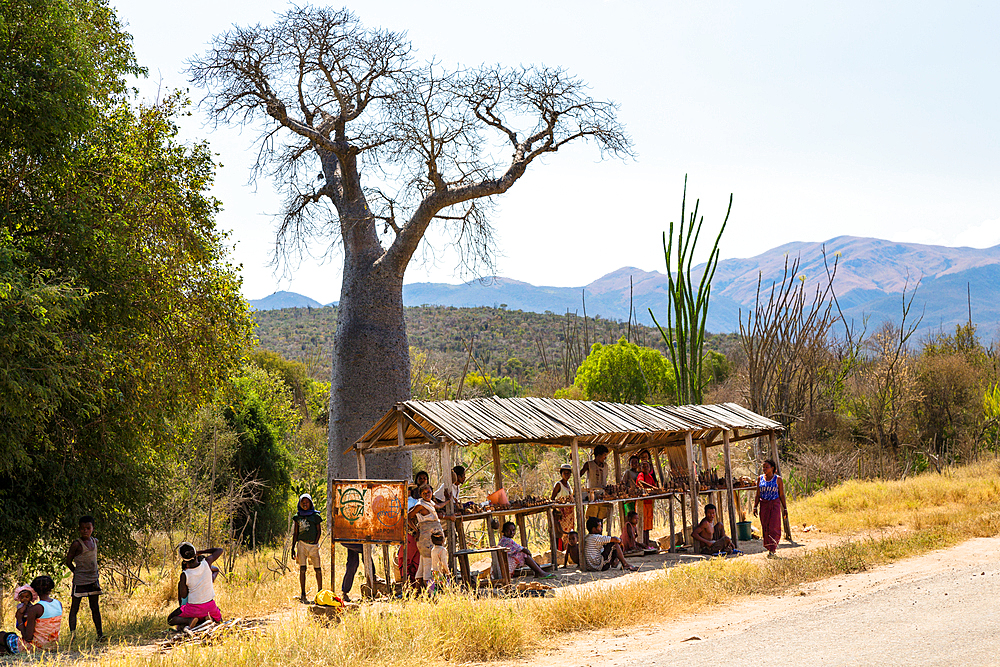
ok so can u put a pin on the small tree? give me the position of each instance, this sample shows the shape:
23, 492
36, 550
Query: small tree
351, 121
625, 373
687, 308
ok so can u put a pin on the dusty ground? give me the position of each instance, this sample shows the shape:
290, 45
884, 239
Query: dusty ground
572, 577
939, 609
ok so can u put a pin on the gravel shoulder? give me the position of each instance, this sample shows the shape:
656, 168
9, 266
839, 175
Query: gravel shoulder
939, 608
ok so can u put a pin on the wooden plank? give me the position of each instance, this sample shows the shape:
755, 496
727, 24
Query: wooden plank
692, 479
581, 518
729, 487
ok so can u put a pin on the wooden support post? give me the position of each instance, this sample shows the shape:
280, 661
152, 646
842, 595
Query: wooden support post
496, 570
581, 518
621, 506
400, 429
333, 563
777, 461
522, 530
684, 516
463, 545
729, 487
366, 556
497, 467
670, 502
450, 508
553, 542
387, 564
693, 479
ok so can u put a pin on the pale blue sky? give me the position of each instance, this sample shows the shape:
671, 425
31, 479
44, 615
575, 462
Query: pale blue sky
869, 119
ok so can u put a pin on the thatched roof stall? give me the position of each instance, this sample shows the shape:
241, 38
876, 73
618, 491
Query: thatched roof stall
623, 428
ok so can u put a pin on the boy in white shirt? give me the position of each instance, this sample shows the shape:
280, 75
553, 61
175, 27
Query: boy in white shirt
439, 560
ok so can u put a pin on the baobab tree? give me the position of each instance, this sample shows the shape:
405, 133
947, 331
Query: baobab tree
351, 118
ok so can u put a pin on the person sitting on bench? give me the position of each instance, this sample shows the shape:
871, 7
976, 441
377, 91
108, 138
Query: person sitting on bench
518, 556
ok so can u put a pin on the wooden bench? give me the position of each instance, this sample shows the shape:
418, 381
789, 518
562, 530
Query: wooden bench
501, 557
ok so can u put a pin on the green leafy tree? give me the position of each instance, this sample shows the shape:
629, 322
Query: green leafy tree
265, 420
123, 313
625, 373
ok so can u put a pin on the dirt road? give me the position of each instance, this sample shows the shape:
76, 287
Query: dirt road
939, 609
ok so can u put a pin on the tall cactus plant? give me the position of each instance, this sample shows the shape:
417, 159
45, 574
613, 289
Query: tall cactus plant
687, 308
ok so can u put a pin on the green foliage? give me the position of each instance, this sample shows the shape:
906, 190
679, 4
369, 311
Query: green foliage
625, 373
264, 419
60, 62
119, 311
991, 414
478, 385
687, 307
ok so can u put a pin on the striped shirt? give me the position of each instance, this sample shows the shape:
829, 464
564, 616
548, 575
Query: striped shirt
595, 547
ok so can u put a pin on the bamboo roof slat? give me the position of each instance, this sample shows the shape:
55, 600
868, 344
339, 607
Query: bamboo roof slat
554, 421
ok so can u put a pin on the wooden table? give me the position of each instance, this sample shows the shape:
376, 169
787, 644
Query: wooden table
463, 560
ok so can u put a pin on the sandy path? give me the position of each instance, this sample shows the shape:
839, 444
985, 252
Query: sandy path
940, 608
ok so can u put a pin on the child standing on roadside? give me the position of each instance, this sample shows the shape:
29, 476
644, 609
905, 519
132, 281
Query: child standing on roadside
305, 540
81, 559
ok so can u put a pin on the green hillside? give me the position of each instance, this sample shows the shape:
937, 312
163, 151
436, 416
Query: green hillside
515, 343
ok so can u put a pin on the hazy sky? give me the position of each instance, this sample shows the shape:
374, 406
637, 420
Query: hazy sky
860, 118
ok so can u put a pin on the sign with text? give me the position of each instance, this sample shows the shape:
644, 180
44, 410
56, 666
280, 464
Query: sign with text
369, 510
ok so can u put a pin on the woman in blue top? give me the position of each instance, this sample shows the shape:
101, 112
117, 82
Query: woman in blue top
771, 501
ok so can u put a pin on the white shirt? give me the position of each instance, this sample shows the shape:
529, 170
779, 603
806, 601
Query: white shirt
453, 489
199, 583
439, 560
431, 515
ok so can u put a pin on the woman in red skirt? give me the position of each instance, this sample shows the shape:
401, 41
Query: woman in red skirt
771, 501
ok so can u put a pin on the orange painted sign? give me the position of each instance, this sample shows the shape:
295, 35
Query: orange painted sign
369, 510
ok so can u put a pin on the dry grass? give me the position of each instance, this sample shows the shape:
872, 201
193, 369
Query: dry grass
926, 501
941, 510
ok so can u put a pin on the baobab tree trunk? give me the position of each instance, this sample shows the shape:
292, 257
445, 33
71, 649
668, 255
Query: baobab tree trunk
371, 362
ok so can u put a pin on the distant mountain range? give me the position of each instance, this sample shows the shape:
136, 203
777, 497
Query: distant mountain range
871, 276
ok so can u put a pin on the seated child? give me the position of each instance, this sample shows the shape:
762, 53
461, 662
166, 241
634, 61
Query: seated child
518, 556
25, 596
630, 533
439, 558
572, 549
603, 551
710, 536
